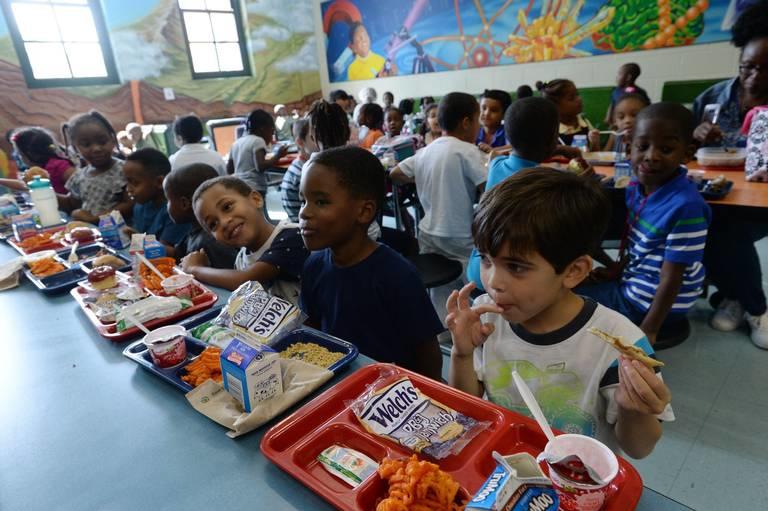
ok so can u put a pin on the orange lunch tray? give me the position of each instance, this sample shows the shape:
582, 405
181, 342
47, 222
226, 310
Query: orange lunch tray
202, 301
294, 443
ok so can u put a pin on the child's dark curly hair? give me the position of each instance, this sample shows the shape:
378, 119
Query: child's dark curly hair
372, 116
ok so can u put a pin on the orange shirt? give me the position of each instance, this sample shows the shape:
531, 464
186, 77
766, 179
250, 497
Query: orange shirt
371, 138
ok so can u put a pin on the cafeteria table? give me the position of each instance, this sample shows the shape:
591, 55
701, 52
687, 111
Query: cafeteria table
84, 428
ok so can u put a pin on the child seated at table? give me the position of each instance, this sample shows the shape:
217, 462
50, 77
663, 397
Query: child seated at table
230, 210
197, 248
534, 232
144, 172
393, 121
430, 129
99, 187
530, 125
624, 117
353, 287
289, 188
564, 94
493, 106
37, 147
626, 80
248, 158
371, 122
448, 174
661, 277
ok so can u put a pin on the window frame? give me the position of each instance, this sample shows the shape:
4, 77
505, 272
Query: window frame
97, 13
242, 43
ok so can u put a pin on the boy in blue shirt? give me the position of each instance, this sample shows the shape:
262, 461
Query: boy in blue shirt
531, 126
493, 106
659, 275
144, 171
351, 286
535, 232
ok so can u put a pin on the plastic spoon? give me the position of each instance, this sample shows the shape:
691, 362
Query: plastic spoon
135, 321
151, 266
72, 259
533, 405
569, 462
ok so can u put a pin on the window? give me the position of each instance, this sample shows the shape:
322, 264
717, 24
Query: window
215, 41
60, 42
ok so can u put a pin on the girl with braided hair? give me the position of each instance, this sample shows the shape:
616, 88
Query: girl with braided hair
37, 147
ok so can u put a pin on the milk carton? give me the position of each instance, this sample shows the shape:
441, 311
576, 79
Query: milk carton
251, 374
153, 248
517, 484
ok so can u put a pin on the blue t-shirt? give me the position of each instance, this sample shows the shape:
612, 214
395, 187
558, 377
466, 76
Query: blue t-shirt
668, 225
150, 218
500, 169
380, 304
499, 138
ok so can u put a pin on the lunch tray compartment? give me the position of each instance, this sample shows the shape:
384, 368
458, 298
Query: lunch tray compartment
138, 352
294, 443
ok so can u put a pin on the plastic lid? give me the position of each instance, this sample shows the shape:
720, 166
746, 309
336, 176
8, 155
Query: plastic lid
39, 183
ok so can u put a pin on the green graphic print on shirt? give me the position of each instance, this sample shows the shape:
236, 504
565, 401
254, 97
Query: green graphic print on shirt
558, 392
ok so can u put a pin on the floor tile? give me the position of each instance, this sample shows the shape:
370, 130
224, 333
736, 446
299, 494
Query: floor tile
728, 465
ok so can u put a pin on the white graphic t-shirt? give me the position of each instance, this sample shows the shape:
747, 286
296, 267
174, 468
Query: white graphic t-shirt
572, 373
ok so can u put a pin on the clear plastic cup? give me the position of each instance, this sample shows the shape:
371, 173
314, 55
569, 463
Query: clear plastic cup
576, 496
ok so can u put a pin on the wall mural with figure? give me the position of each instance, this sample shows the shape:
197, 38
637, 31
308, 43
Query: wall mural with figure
150, 52
366, 39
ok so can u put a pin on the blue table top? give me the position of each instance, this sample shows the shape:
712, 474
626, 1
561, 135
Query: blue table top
83, 427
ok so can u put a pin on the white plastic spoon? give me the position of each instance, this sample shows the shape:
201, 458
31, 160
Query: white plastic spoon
130, 317
533, 405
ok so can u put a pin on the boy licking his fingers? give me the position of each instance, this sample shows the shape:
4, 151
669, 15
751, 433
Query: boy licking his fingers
534, 232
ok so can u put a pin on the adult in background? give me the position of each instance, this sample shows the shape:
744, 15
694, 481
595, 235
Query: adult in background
730, 257
188, 130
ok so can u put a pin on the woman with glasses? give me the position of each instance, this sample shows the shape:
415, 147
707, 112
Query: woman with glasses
730, 257
738, 95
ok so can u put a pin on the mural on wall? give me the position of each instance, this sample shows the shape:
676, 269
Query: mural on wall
148, 43
367, 39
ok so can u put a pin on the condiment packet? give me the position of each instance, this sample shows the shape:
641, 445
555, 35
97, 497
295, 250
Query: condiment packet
349, 465
393, 408
257, 315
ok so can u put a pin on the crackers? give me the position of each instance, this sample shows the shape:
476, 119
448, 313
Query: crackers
631, 352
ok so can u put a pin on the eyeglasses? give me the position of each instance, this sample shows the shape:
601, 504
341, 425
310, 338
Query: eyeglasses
749, 68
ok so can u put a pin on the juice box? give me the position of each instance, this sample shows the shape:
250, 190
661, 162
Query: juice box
251, 374
516, 484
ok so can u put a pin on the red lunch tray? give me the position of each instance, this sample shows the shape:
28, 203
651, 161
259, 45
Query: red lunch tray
60, 244
201, 302
294, 443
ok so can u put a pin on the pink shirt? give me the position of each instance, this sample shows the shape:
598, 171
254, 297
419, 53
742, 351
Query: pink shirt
56, 168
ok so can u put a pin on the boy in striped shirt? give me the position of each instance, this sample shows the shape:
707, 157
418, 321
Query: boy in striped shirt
667, 221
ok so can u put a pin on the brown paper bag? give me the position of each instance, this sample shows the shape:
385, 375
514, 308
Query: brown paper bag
299, 380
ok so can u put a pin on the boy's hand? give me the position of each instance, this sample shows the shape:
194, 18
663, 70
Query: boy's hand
84, 216
484, 147
282, 150
640, 390
195, 259
129, 231
463, 321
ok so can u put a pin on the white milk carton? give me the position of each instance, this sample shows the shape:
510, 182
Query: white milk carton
517, 484
251, 374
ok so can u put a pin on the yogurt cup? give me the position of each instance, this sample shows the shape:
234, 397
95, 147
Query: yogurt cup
576, 496
167, 346
180, 286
